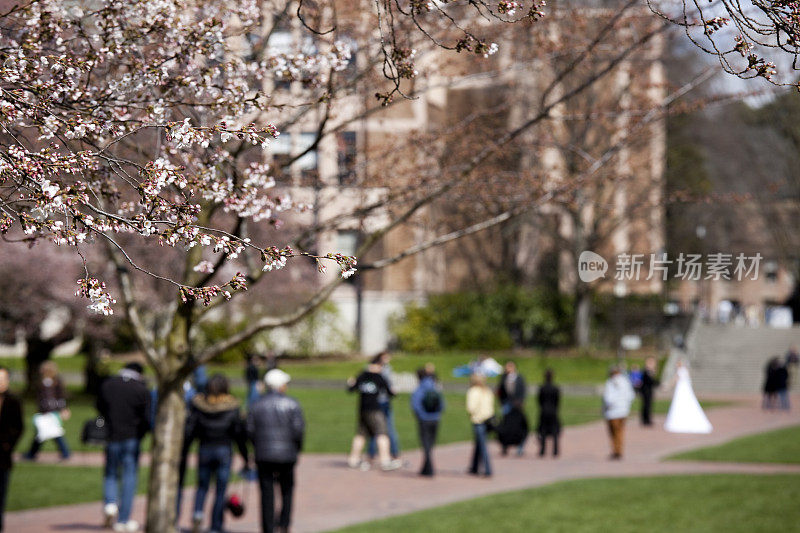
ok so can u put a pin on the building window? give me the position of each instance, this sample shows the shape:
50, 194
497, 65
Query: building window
346, 157
347, 242
281, 151
771, 271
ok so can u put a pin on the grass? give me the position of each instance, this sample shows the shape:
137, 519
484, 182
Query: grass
725, 502
569, 367
572, 369
779, 446
34, 486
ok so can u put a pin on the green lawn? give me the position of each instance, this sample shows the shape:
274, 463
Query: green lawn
569, 367
780, 446
573, 369
707, 503
33, 486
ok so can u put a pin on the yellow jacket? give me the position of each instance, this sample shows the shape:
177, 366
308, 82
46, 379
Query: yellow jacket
480, 404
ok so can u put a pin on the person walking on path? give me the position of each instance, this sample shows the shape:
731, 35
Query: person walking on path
384, 360
511, 391
216, 421
427, 402
549, 398
371, 420
11, 426
770, 383
480, 408
251, 378
782, 385
51, 397
124, 402
618, 395
647, 387
276, 427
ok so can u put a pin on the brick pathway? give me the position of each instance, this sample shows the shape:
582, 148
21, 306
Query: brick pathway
329, 495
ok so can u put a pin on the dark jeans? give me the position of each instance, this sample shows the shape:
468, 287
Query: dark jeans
480, 453
212, 460
427, 437
542, 444
647, 408
4, 475
122, 466
270, 473
61, 442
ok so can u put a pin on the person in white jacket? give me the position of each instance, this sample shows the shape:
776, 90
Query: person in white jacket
618, 395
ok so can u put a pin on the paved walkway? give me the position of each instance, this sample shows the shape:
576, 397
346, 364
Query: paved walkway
329, 495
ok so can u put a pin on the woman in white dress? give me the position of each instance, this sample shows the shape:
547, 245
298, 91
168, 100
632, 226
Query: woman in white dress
685, 414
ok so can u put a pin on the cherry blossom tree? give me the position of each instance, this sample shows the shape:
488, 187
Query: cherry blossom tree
748, 38
131, 125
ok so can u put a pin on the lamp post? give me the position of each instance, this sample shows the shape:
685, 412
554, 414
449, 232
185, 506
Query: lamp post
620, 291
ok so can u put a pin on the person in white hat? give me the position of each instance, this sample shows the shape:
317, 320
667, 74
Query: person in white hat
275, 425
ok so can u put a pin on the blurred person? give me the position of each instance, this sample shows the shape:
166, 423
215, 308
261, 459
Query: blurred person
792, 360
11, 426
635, 375
618, 395
427, 402
384, 359
371, 385
480, 408
215, 419
511, 391
770, 383
646, 388
782, 385
251, 378
51, 397
685, 414
549, 398
276, 428
124, 403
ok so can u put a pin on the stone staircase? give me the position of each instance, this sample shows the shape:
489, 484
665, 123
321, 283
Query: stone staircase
732, 359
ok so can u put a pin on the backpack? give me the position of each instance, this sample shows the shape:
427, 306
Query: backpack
432, 401
95, 432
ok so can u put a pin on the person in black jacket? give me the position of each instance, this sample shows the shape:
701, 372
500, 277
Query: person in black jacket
124, 403
371, 386
216, 421
511, 391
549, 397
646, 389
276, 427
11, 427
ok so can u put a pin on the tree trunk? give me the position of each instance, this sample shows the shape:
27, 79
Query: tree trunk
167, 442
583, 317
37, 352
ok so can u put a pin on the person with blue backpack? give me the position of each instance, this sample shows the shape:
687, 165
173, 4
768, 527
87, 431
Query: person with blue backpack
427, 402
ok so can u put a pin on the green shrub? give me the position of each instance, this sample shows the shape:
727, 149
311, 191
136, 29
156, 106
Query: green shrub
496, 320
414, 330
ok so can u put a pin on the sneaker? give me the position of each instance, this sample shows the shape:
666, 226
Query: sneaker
394, 464
110, 511
365, 466
197, 522
131, 526
353, 463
